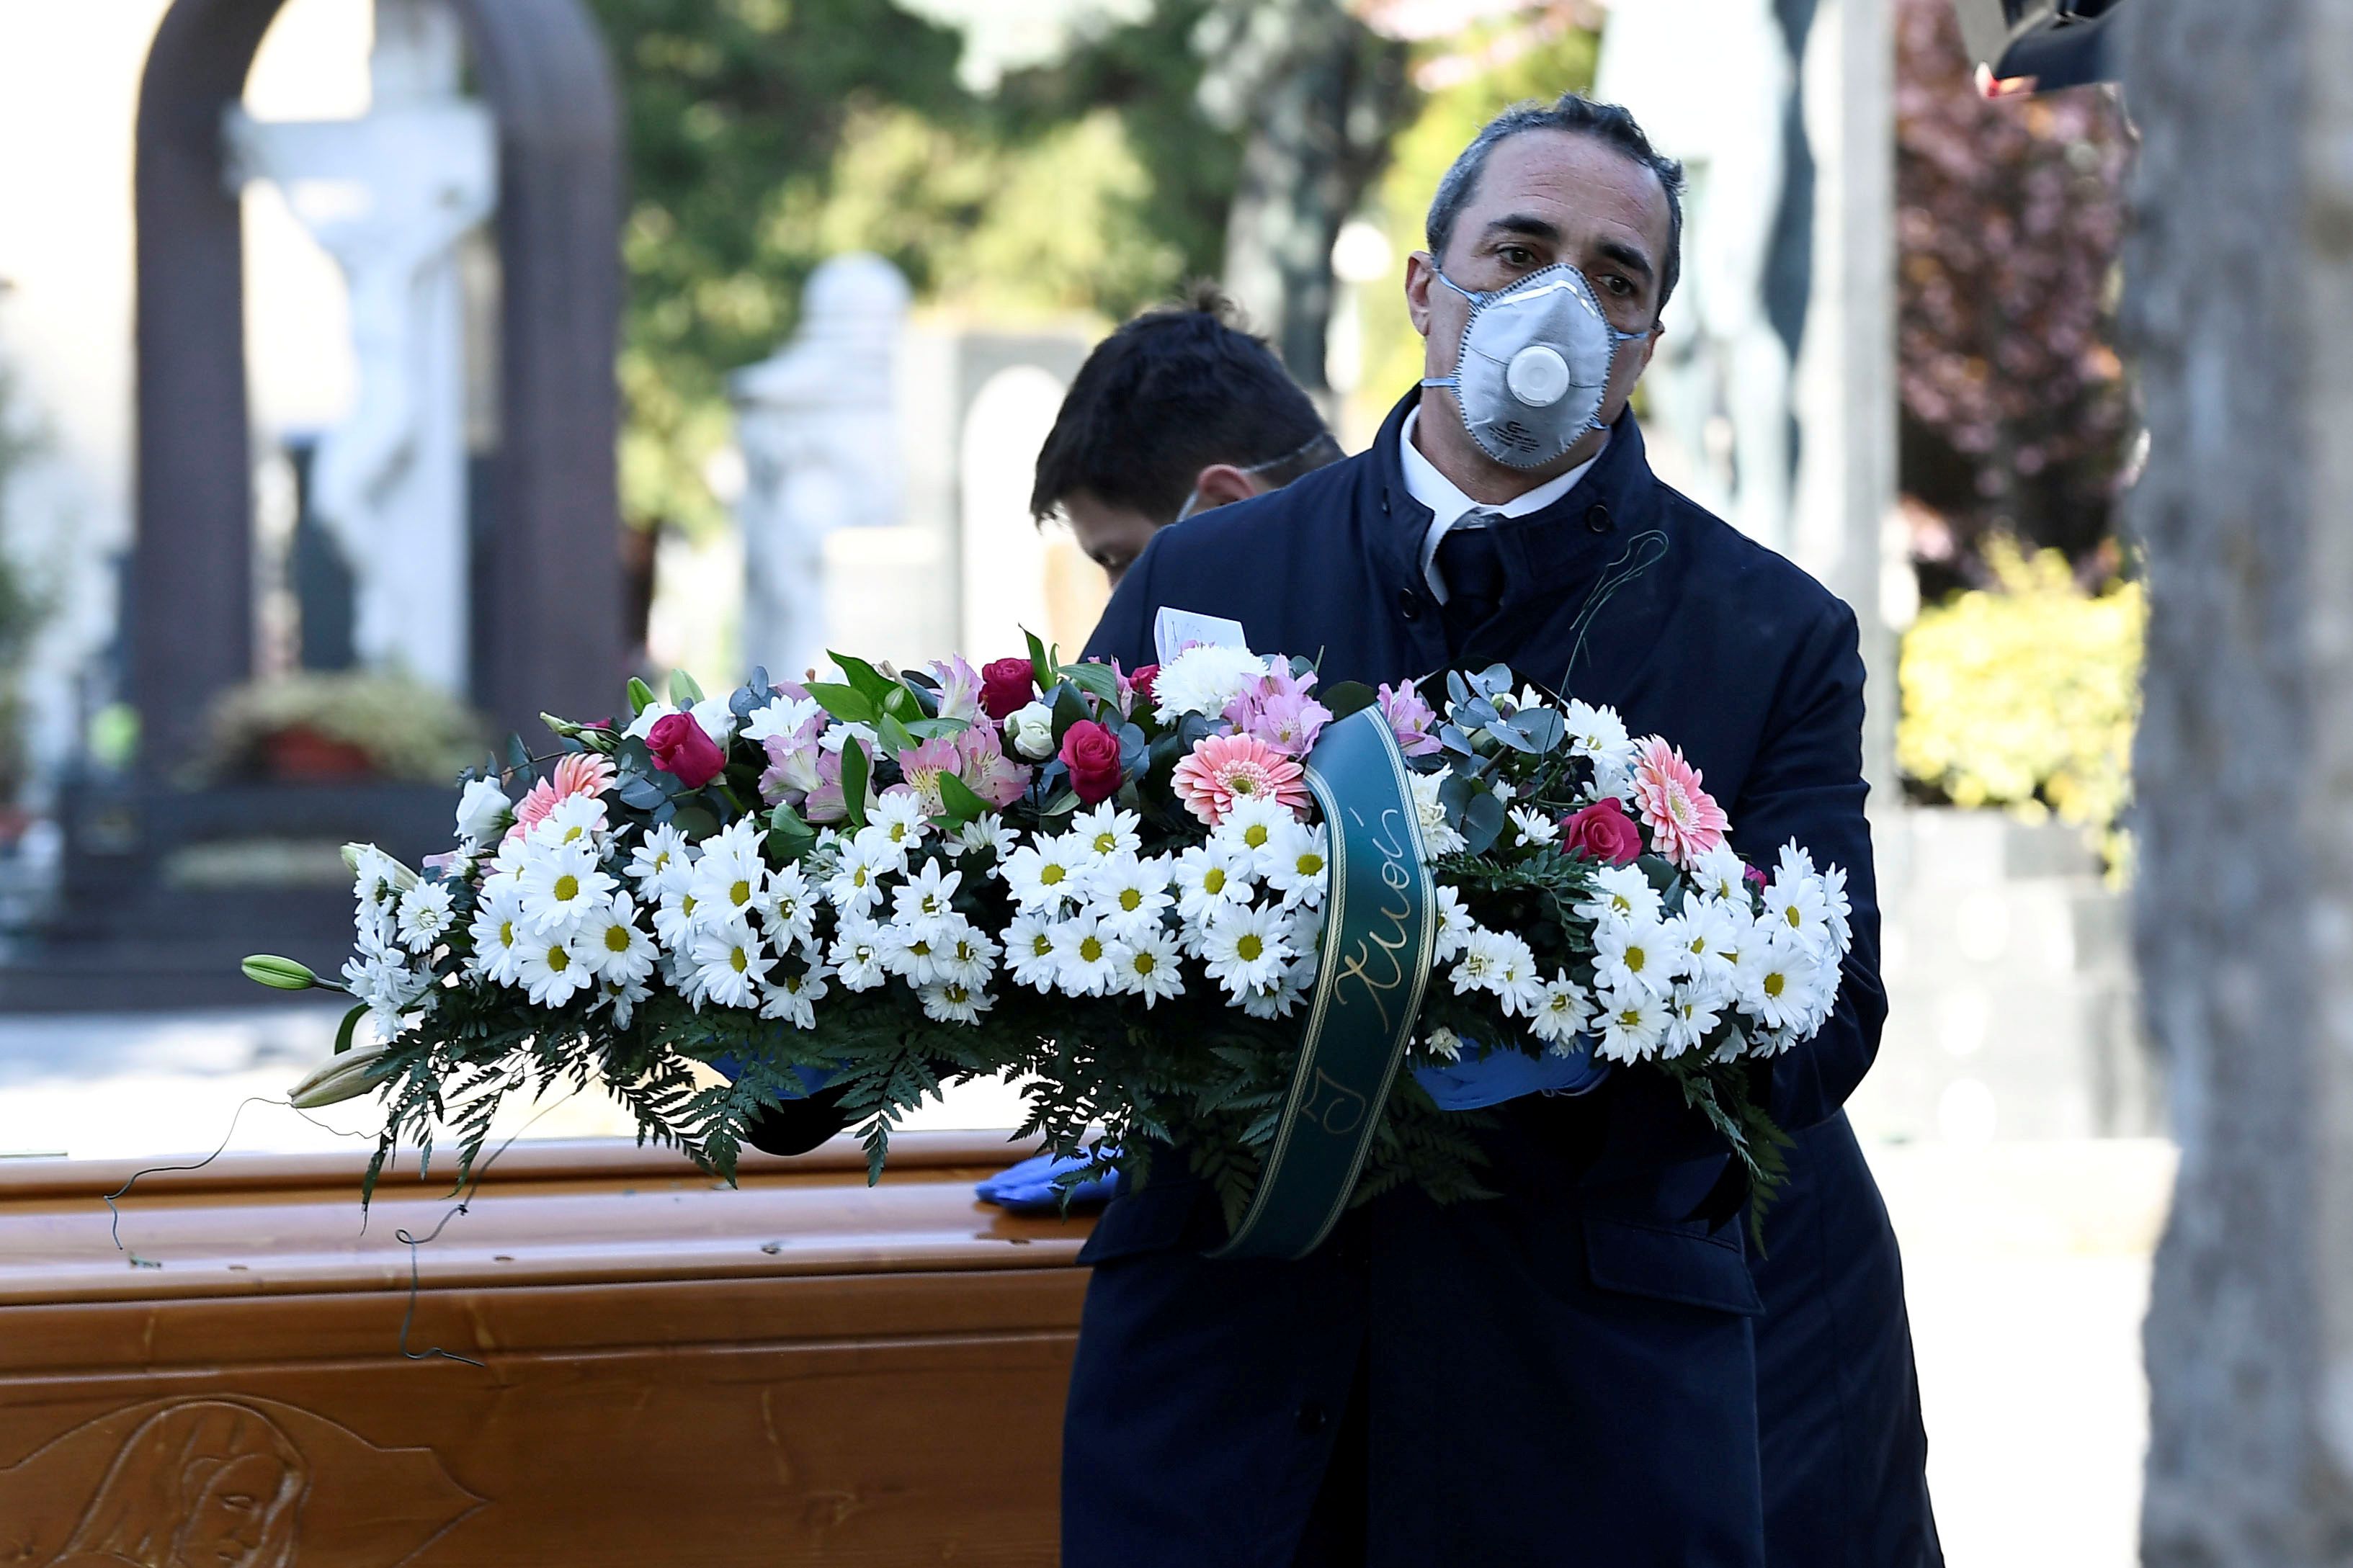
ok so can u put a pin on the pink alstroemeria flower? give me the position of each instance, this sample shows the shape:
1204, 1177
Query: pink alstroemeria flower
792, 771
959, 689
1224, 769
1411, 720
1684, 819
976, 756
582, 772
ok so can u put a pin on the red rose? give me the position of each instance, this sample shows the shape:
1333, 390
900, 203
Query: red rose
1091, 753
1006, 687
683, 747
1140, 682
1602, 830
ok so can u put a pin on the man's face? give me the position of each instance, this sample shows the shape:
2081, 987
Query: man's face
1113, 536
1547, 197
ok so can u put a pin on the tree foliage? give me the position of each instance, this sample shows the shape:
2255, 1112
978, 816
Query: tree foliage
2009, 212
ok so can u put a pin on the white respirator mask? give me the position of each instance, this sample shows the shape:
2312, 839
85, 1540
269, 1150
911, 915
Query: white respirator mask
1533, 365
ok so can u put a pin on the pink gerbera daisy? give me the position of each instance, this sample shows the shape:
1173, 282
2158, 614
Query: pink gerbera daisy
1684, 819
582, 772
1224, 769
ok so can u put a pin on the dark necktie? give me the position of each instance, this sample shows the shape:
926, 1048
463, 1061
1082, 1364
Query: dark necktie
1472, 567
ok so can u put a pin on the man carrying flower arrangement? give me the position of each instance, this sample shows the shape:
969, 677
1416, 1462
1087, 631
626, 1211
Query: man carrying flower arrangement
1566, 1372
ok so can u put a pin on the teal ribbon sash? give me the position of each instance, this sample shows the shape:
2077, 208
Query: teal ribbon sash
1380, 923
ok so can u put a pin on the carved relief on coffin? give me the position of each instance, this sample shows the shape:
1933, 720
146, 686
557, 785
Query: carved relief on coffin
223, 1483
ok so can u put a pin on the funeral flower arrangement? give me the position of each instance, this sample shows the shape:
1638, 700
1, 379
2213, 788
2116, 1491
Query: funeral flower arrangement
1118, 886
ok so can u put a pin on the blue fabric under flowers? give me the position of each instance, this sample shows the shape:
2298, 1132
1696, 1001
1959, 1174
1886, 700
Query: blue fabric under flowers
1485, 1076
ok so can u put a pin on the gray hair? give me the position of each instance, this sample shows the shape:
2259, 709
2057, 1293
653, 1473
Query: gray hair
1606, 124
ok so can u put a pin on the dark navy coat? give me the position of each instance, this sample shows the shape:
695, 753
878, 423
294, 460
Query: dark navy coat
1577, 1371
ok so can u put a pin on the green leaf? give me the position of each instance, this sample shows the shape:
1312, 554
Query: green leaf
683, 690
868, 681
1070, 708
1097, 679
1347, 697
641, 696
962, 805
789, 835
845, 703
697, 822
855, 771
932, 729
1041, 660
893, 736
1062, 804
344, 1031
902, 703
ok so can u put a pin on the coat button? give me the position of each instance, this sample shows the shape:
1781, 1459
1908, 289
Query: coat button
1409, 604
1312, 1418
1596, 519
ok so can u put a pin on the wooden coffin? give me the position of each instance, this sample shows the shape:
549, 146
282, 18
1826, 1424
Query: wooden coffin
802, 1370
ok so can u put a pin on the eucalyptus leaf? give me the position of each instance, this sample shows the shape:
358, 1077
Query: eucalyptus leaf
1457, 689
519, 756
1062, 804
1483, 820
1544, 728
1507, 733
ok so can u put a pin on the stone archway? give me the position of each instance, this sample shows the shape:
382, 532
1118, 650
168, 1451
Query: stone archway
550, 636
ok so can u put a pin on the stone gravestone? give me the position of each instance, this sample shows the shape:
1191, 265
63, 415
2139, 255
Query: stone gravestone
548, 631
2239, 300
823, 443
389, 197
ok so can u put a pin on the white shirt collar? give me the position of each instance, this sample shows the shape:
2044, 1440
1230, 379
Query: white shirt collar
1449, 506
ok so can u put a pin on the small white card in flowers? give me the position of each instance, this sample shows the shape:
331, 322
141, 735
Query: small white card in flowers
1174, 631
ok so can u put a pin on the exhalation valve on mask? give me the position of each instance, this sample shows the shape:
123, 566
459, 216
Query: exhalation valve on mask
1533, 365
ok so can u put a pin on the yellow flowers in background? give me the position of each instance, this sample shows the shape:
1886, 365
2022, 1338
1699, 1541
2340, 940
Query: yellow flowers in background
2024, 695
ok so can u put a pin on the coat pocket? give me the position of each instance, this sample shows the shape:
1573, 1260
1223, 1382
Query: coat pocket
1671, 1263
1152, 1218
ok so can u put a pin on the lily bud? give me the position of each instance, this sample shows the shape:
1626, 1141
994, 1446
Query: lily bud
278, 974
340, 1078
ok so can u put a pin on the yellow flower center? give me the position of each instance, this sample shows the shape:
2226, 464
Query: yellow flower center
567, 888
1311, 865
1106, 842
1040, 945
1635, 959
1255, 834
506, 933
1091, 948
1795, 918
616, 939
1213, 880
1146, 963
686, 903
558, 960
1130, 898
1050, 876
739, 892
1248, 948
738, 960
1773, 983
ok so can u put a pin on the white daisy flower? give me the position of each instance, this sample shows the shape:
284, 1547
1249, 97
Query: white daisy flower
662, 860
1044, 876
1705, 937
1795, 909
1255, 824
1029, 951
1632, 1025
913, 952
575, 820
1561, 1013
499, 933
731, 886
677, 920
426, 917
614, 945
1211, 876
1836, 907
1276, 999
900, 814
716, 716
1535, 826
1693, 1009
793, 997
1443, 1045
1106, 830
1596, 732
952, 1002
1454, 924
561, 886
1084, 951
986, 835
1721, 875
1515, 982
856, 885
857, 954
929, 894
1438, 838
551, 968
1771, 980
1483, 956
1621, 892
391, 989
1203, 679
792, 907
1128, 895
1629, 955
1148, 965
967, 955
1243, 948
1298, 863
730, 962
622, 999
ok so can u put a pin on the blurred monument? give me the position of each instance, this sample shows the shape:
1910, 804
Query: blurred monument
824, 448
2244, 768
173, 873
390, 197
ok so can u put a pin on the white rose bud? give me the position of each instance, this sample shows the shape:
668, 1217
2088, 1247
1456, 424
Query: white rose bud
1031, 730
483, 812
